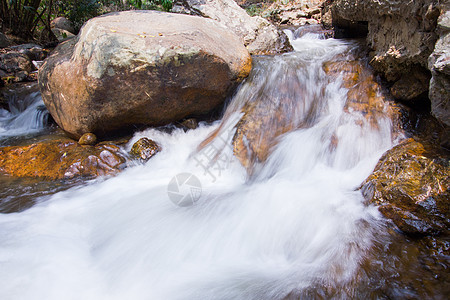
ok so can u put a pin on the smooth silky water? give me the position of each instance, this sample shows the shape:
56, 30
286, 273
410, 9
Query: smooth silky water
295, 228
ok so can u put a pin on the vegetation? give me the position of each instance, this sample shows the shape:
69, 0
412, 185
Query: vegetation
30, 19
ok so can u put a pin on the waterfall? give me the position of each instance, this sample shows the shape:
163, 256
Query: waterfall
298, 222
26, 114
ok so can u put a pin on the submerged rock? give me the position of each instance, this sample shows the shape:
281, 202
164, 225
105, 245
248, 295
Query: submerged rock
410, 185
287, 106
364, 94
257, 34
59, 159
141, 67
144, 149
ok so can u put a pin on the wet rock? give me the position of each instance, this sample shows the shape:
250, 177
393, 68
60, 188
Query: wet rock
364, 94
144, 149
62, 158
62, 23
87, 139
257, 34
439, 64
189, 124
410, 184
411, 86
269, 115
141, 67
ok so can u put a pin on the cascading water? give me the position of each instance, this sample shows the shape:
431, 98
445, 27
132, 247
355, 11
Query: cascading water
25, 115
297, 223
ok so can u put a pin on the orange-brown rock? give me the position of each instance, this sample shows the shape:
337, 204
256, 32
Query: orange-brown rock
285, 107
141, 67
144, 149
364, 93
61, 158
411, 185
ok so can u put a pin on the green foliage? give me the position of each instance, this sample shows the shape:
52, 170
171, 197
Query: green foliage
26, 18
254, 10
77, 11
23, 17
166, 5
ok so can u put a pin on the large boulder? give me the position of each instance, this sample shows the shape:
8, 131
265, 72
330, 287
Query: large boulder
141, 67
257, 34
439, 64
411, 186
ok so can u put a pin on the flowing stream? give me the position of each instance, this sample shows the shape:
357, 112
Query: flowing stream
297, 224
26, 114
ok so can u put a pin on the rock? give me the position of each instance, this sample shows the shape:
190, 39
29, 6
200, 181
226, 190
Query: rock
401, 33
144, 149
13, 62
15, 66
411, 86
62, 158
364, 94
270, 113
87, 139
189, 123
439, 64
295, 13
4, 41
33, 51
62, 35
257, 34
141, 67
62, 23
410, 185
20, 76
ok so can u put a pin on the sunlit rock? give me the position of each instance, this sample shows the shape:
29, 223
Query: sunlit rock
62, 23
62, 158
87, 139
410, 185
141, 67
257, 34
144, 149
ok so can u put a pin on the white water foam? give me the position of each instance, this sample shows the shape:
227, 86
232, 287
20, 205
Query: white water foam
25, 115
297, 223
